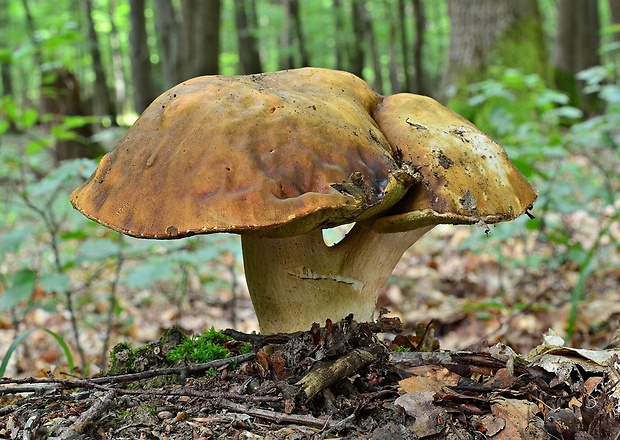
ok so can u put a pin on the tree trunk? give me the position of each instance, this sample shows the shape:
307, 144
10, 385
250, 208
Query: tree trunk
576, 48
404, 46
102, 98
395, 70
358, 51
207, 44
614, 7
493, 32
298, 32
341, 48
292, 40
365, 41
143, 91
118, 71
5, 72
421, 84
169, 40
200, 37
249, 56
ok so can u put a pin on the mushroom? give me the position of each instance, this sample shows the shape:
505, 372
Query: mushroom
278, 157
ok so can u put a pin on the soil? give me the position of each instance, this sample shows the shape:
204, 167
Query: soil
342, 380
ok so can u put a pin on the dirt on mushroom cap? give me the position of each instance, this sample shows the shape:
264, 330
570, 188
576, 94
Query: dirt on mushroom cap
237, 153
468, 178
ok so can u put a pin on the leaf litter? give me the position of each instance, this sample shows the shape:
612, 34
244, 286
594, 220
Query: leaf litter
373, 389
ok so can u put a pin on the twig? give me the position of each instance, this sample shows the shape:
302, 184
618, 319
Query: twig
278, 417
54, 383
88, 417
112, 299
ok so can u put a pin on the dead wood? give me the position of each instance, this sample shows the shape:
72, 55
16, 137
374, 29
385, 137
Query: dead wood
329, 373
278, 417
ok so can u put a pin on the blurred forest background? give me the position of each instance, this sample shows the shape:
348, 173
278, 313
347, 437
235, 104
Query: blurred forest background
541, 77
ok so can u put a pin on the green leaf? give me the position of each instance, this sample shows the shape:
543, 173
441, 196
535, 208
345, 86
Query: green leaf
12, 240
21, 287
55, 282
96, 250
147, 274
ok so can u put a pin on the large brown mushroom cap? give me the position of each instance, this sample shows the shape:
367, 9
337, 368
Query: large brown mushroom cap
240, 153
467, 177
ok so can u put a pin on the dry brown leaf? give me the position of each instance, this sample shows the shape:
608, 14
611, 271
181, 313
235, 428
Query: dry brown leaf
430, 419
517, 414
430, 378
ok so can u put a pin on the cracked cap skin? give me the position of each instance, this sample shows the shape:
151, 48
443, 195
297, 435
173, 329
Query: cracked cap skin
283, 153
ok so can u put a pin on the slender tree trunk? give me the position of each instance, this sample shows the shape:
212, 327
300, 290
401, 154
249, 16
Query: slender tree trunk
372, 46
5, 70
206, 53
292, 40
102, 98
118, 71
576, 48
298, 32
285, 53
421, 84
358, 50
395, 69
200, 37
143, 91
249, 57
614, 7
339, 36
404, 45
169, 39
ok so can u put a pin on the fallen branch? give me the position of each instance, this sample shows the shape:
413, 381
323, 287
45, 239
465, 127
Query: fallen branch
278, 417
88, 418
327, 374
35, 384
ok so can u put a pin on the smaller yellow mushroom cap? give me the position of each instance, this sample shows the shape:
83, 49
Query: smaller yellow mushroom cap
467, 177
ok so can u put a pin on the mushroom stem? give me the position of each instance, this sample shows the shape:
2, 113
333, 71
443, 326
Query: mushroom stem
296, 281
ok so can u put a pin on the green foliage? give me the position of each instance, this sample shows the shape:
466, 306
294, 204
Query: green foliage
22, 339
201, 348
572, 161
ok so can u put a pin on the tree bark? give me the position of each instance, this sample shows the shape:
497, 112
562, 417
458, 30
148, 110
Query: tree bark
421, 84
200, 37
404, 46
118, 71
5, 72
292, 40
493, 32
614, 7
373, 48
143, 90
102, 98
358, 51
576, 48
249, 56
169, 40
298, 32
341, 48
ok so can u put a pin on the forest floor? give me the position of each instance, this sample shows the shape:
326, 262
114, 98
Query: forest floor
500, 374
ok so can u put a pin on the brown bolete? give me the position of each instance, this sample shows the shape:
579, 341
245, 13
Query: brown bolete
278, 157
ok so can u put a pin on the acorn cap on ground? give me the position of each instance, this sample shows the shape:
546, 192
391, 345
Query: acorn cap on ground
276, 154
467, 177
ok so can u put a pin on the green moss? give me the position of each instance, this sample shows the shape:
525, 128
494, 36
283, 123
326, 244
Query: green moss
174, 347
201, 348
